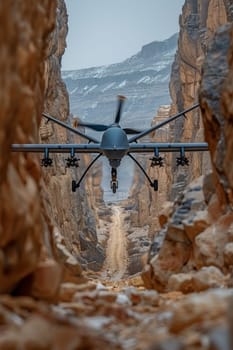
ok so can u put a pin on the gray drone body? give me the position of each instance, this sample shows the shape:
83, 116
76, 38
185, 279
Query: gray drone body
114, 145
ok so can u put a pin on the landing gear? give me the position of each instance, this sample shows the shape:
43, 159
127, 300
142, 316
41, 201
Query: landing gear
74, 185
114, 182
114, 186
155, 185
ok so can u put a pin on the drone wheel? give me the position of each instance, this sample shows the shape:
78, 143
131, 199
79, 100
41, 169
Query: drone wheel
155, 185
73, 186
114, 187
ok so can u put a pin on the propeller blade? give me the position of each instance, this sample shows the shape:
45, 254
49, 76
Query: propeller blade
121, 99
68, 127
96, 127
130, 131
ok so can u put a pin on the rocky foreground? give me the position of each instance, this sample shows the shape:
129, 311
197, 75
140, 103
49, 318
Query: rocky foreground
97, 316
44, 231
113, 309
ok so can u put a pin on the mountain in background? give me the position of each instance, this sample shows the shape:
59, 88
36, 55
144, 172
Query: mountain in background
143, 79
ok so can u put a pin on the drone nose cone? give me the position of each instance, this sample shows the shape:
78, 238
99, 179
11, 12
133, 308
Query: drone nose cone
114, 143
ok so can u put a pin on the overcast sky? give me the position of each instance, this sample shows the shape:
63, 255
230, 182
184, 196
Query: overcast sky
109, 31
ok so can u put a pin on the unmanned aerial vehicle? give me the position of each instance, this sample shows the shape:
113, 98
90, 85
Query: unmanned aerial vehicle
114, 144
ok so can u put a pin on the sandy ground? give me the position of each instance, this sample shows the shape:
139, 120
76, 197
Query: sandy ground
116, 253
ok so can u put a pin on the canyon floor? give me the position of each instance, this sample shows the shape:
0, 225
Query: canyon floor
113, 310
116, 253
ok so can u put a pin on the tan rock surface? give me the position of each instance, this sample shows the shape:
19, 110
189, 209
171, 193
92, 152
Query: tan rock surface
129, 319
23, 51
30, 66
75, 219
198, 23
201, 219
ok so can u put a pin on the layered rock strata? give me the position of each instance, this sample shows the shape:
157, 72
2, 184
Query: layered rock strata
197, 249
39, 215
145, 202
198, 23
25, 31
73, 215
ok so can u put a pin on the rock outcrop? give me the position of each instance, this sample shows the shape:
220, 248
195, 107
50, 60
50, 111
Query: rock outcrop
25, 31
145, 202
34, 226
196, 251
216, 112
198, 23
74, 222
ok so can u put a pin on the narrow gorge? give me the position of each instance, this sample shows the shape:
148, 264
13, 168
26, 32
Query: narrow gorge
152, 271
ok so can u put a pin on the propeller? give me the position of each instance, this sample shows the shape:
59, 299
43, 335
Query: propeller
96, 127
130, 131
103, 127
68, 127
121, 100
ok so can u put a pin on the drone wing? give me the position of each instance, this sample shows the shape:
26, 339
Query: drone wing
57, 148
168, 120
168, 147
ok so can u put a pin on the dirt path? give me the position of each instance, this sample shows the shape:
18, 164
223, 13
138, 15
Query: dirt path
116, 253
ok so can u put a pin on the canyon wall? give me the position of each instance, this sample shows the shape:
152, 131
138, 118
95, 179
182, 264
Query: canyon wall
196, 250
25, 31
198, 23
146, 202
73, 215
41, 219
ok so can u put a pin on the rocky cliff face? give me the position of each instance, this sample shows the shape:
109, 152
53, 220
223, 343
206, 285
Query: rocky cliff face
146, 203
75, 220
25, 31
34, 225
198, 23
196, 248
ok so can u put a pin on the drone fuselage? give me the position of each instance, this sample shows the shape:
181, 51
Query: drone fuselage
114, 145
